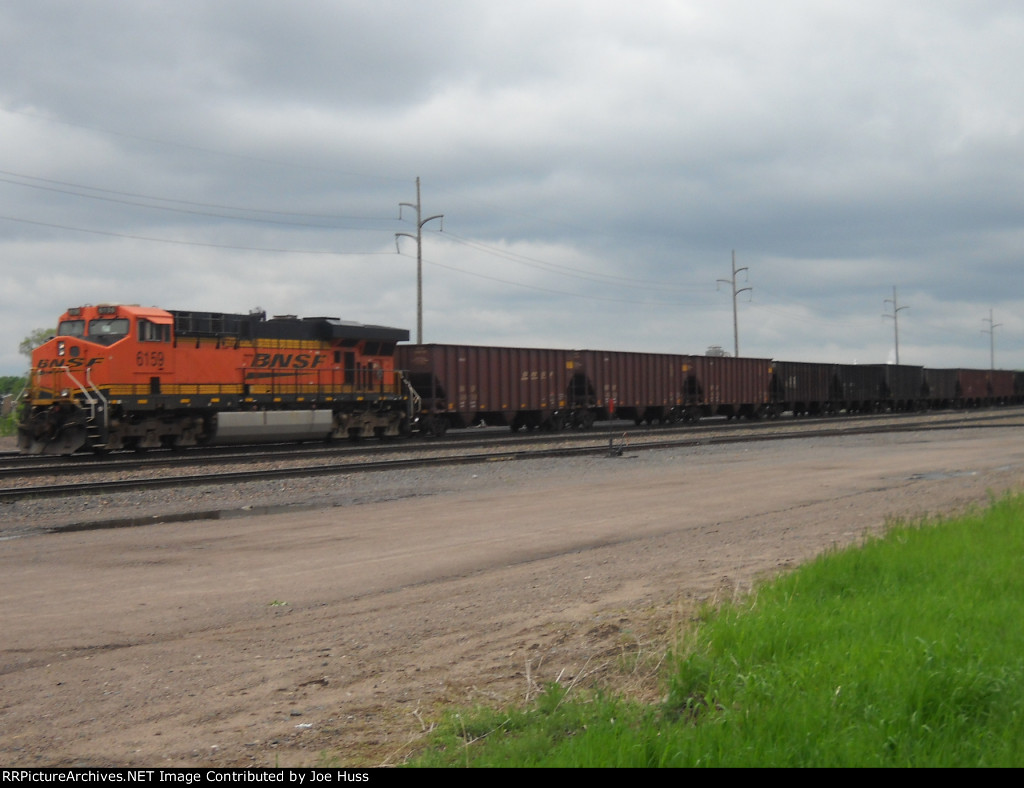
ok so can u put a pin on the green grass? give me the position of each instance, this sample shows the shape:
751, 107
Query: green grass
8, 426
906, 651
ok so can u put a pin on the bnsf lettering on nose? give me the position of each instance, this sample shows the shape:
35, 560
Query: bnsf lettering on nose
69, 363
287, 360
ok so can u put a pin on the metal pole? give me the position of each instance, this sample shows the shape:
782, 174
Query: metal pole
991, 331
735, 292
896, 320
419, 254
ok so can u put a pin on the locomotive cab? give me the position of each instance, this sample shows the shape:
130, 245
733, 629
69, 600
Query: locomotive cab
61, 381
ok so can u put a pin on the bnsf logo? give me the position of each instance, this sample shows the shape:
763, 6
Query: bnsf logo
70, 363
287, 361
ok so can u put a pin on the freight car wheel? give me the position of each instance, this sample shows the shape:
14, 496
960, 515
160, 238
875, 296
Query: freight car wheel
435, 426
555, 423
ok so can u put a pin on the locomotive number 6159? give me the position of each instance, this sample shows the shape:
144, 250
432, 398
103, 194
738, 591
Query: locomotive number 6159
149, 358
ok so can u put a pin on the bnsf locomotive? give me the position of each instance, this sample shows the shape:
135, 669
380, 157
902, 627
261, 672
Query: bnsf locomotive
129, 377
120, 377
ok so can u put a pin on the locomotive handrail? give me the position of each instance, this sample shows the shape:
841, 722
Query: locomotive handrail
415, 400
89, 397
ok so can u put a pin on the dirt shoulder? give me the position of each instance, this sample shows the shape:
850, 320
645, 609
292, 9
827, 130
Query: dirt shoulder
342, 633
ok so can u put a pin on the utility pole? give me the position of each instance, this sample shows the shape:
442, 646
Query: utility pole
895, 320
991, 331
735, 292
419, 254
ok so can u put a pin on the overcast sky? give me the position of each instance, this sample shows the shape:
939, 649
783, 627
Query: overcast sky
596, 163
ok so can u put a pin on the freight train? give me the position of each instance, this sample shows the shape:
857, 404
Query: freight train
119, 376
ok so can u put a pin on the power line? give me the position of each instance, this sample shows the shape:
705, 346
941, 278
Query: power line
566, 270
194, 211
179, 242
553, 291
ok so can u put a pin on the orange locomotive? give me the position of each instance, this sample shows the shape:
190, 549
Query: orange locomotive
119, 376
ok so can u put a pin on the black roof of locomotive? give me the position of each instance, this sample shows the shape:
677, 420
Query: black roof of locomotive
256, 326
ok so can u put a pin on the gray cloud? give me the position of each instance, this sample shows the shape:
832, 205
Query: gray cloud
596, 166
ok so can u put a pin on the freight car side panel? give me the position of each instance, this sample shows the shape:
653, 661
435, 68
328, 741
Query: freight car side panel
1002, 386
905, 386
942, 387
637, 386
495, 385
975, 386
733, 386
802, 387
858, 387
872, 387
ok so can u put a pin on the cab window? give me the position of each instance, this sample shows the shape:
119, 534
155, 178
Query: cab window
71, 328
108, 331
153, 332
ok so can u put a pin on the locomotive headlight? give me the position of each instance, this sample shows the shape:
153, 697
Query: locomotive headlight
60, 348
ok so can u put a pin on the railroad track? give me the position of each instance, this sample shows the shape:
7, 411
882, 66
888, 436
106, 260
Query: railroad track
465, 453
14, 465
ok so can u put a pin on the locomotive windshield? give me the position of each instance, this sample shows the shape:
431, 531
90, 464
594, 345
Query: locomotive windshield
108, 331
71, 328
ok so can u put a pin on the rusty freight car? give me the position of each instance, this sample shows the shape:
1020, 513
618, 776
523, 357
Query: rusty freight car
871, 388
972, 388
804, 388
464, 385
640, 387
729, 386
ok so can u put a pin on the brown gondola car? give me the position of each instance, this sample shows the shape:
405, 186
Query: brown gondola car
730, 386
640, 387
871, 388
1002, 387
465, 385
803, 388
972, 388
943, 388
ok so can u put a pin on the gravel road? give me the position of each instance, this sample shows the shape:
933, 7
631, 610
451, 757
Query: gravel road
338, 629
